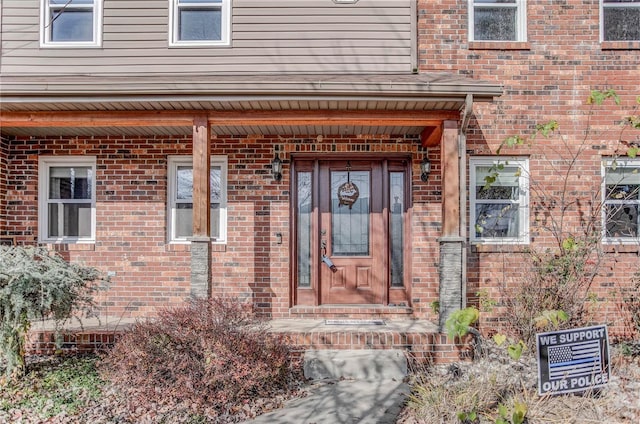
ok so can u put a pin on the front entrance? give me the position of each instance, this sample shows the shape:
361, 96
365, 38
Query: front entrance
350, 231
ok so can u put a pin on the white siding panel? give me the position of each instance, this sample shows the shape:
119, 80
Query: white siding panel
279, 36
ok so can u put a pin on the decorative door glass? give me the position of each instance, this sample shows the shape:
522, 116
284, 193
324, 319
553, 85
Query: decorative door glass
350, 223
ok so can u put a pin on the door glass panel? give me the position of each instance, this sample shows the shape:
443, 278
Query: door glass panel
304, 228
350, 223
396, 224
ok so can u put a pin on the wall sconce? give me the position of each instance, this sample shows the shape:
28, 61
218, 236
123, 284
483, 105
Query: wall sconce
276, 168
425, 169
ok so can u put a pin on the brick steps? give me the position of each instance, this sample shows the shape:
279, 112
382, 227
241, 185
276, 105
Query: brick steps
418, 339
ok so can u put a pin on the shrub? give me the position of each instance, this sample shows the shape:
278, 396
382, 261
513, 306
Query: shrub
37, 284
552, 281
212, 355
630, 303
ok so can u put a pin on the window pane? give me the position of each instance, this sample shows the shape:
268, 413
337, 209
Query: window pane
184, 183
497, 193
507, 176
396, 228
494, 24
621, 23
75, 220
304, 211
623, 192
215, 184
72, 25
70, 2
200, 24
215, 220
350, 225
497, 220
184, 220
622, 183
70, 182
622, 220
54, 231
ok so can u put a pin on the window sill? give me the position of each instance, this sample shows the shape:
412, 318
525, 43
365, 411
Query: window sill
499, 45
620, 45
66, 45
499, 248
70, 246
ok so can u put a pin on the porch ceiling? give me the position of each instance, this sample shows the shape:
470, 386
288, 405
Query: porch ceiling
142, 105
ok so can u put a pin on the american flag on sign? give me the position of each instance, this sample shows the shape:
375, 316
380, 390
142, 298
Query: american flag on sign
574, 360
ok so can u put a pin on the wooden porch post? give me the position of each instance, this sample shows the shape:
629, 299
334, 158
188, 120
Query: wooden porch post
201, 240
451, 242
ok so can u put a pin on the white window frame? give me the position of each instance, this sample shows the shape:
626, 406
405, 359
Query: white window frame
46, 17
173, 163
44, 166
174, 23
619, 163
604, 5
523, 200
521, 19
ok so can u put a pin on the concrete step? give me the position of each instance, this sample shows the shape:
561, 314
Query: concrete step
363, 364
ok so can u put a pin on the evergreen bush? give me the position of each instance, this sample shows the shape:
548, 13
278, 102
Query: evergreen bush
38, 284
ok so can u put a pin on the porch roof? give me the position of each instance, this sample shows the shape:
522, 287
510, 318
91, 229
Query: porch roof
235, 105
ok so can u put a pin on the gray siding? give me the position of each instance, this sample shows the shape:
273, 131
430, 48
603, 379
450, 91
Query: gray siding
268, 36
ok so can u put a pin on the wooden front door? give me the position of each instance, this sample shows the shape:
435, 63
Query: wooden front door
350, 231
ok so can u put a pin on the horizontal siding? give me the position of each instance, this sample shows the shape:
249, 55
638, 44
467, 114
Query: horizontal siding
288, 36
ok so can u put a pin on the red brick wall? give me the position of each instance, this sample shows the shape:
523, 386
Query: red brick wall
3, 184
548, 77
131, 189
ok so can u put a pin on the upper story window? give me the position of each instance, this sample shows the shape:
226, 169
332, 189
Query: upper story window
180, 216
499, 200
71, 23
67, 193
199, 22
621, 201
497, 20
620, 20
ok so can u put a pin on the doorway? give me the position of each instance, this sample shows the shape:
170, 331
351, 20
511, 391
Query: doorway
350, 231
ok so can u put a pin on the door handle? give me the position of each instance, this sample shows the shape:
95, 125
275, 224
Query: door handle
325, 258
329, 263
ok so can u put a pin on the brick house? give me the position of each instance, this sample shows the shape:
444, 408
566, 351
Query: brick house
242, 147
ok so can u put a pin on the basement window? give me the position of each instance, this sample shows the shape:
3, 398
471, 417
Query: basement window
180, 213
67, 205
71, 23
621, 191
620, 20
200, 22
497, 20
499, 196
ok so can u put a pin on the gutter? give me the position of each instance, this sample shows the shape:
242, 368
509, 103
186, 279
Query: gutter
462, 155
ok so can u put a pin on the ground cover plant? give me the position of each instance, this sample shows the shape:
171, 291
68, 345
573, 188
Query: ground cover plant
56, 386
208, 360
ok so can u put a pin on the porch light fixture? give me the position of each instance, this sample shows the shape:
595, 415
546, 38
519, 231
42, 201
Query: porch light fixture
425, 169
276, 168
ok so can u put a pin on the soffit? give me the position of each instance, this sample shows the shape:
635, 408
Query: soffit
104, 95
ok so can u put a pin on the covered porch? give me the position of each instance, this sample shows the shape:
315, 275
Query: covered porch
433, 108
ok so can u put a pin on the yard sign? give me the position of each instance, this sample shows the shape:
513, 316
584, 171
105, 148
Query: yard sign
573, 360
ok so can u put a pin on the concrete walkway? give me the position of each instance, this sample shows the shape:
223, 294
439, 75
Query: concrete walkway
342, 402
348, 387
